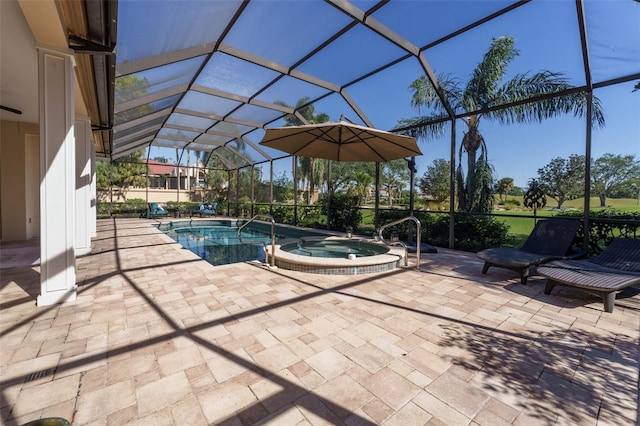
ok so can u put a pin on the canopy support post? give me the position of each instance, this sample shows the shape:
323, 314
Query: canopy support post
329, 194
376, 219
295, 190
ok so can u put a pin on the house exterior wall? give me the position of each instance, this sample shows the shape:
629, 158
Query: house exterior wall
19, 181
153, 194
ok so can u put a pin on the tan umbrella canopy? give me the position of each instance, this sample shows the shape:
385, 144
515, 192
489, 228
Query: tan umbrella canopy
341, 141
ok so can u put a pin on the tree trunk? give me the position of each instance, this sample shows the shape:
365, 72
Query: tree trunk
461, 190
471, 181
312, 179
471, 141
603, 200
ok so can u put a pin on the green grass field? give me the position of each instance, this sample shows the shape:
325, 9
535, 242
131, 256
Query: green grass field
626, 204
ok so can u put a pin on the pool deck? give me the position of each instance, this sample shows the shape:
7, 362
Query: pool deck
158, 336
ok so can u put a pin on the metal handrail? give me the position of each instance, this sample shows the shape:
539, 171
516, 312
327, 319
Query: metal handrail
413, 218
264, 245
406, 250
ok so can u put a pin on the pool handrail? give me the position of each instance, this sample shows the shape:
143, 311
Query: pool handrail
264, 245
404, 219
404, 246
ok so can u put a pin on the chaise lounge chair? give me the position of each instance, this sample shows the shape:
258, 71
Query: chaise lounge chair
205, 209
156, 210
616, 268
551, 239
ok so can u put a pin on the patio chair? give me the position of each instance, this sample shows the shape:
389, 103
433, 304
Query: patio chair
616, 268
551, 239
205, 209
155, 210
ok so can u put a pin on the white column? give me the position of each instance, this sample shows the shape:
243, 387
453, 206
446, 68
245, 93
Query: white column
83, 185
57, 176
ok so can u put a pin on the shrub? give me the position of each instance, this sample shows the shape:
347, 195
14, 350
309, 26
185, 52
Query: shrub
472, 233
261, 209
344, 212
133, 207
183, 206
605, 225
283, 213
309, 216
389, 216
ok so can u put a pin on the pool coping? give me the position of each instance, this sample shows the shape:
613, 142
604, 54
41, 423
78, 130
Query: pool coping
337, 266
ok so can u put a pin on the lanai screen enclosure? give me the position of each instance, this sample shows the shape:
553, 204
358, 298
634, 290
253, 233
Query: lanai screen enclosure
211, 76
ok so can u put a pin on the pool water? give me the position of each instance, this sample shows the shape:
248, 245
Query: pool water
218, 244
335, 249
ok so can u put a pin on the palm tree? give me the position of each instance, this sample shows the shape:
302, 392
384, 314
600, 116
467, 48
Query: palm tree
362, 185
310, 168
503, 187
485, 90
312, 171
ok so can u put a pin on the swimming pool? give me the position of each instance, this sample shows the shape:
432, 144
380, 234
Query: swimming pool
216, 241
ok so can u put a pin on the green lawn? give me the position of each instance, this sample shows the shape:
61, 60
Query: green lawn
520, 228
626, 204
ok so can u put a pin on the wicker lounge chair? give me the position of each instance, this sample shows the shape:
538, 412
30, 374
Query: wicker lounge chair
616, 268
551, 239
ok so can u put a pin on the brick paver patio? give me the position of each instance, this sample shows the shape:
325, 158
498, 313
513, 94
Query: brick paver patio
158, 336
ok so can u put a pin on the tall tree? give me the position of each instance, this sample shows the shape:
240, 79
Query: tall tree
216, 177
435, 180
394, 176
129, 170
503, 187
362, 182
612, 171
485, 89
343, 173
130, 87
282, 189
562, 178
122, 173
311, 168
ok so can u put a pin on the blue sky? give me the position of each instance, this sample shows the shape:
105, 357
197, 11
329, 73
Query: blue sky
546, 34
518, 151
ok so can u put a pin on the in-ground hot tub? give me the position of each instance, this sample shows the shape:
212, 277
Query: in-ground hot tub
336, 255
335, 248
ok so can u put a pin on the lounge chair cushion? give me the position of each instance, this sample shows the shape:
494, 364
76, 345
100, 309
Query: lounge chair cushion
616, 268
205, 209
156, 210
511, 258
